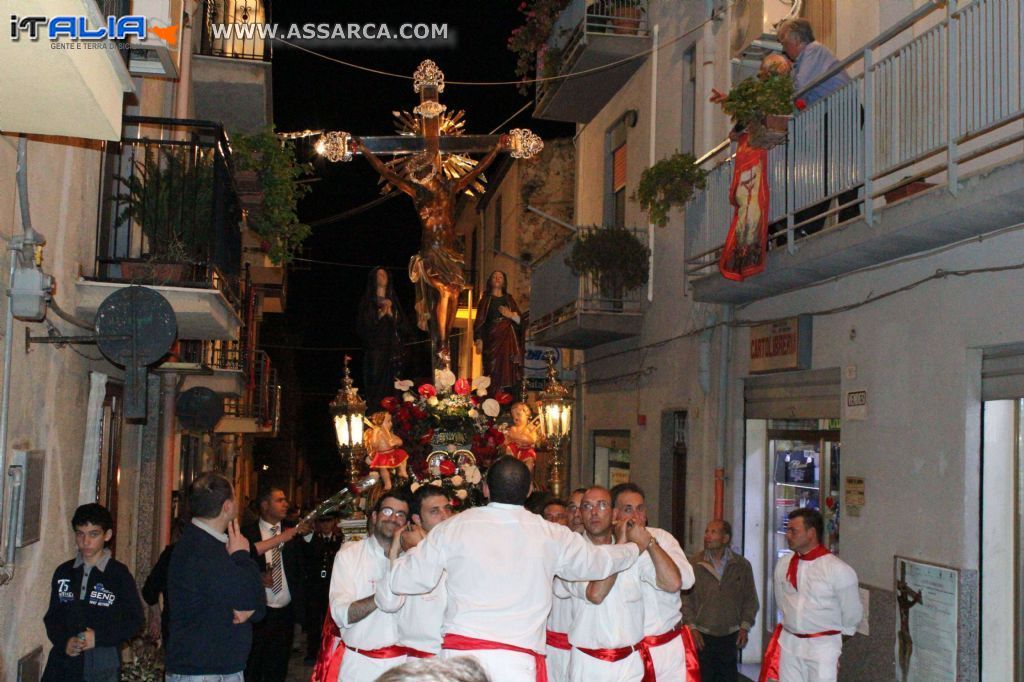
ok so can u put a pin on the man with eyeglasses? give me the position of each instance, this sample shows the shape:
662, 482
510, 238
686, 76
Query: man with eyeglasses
666, 641
420, 616
608, 628
369, 635
500, 561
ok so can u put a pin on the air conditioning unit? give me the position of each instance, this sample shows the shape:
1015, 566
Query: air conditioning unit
753, 27
159, 55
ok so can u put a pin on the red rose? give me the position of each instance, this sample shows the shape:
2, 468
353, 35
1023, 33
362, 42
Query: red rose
462, 387
801, 104
473, 399
418, 412
427, 391
456, 502
503, 398
389, 404
447, 468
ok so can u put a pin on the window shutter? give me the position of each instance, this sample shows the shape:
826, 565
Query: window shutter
619, 168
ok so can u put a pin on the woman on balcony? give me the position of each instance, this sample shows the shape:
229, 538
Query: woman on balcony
380, 325
498, 329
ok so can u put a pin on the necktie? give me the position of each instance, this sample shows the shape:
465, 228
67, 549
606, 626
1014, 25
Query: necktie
276, 569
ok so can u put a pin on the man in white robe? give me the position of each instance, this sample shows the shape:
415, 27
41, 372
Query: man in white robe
561, 616
663, 635
608, 628
500, 561
819, 599
369, 635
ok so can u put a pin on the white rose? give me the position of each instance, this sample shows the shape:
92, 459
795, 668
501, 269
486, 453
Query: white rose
432, 401
457, 480
414, 487
436, 481
408, 397
472, 474
462, 494
473, 414
491, 407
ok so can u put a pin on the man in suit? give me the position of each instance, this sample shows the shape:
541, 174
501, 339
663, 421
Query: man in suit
279, 553
320, 551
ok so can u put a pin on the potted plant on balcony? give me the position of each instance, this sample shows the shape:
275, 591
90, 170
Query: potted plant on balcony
528, 40
669, 183
614, 256
273, 216
762, 105
169, 195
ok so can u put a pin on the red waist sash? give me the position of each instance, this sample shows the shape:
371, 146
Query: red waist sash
416, 653
463, 643
393, 651
689, 650
770, 665
332, 651
558, 640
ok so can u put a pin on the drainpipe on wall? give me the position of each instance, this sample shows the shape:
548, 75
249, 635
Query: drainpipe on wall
708, 110
183, 93
651, 155
723, 409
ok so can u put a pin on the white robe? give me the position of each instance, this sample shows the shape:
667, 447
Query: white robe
500, 561
662, 612
559, 620
358, 568
826, 598
420, 616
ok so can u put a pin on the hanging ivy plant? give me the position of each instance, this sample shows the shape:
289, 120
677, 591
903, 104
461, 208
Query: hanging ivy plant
669, 183
612, 254
276, 219
757, 97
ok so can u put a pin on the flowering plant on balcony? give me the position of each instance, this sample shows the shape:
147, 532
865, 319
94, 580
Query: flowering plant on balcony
669, 182
760, 96
614, 255
529, 40
275, 220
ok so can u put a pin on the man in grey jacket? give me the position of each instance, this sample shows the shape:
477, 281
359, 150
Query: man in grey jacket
722, 606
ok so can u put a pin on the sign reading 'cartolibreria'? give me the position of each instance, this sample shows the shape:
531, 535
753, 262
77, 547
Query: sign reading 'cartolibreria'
781, 345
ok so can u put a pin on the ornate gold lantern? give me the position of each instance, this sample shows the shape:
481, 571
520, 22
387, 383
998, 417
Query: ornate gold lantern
348, 411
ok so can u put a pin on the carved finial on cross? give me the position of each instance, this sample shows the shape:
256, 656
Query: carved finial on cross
427, 73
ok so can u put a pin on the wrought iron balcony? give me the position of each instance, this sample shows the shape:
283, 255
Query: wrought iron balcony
589, 35
258, 410
231, 29
170, 219
569, 311
920, 150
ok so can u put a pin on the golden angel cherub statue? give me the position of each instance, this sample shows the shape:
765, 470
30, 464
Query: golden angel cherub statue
383, 448
522, 436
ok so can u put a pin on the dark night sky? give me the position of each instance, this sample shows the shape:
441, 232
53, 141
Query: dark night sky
313, 93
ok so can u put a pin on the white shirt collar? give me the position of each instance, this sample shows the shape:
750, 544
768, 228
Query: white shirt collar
223, 537
268, 527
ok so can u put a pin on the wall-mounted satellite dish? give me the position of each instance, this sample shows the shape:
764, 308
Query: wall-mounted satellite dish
199, 409
136, 327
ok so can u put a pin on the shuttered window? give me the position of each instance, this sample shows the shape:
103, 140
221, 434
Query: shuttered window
813, 394
619, 168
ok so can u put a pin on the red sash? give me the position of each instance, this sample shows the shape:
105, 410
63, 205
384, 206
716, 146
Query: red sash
332, 651
815, 553
689, 649
463, 643
416, 653
559, 640
770, 665
613, 655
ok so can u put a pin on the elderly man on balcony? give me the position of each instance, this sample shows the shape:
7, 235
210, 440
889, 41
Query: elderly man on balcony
811, 60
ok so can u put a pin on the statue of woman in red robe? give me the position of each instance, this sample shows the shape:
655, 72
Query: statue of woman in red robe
498, 333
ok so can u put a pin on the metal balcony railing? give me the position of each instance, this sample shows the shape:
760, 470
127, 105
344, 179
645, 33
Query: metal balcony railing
231, 28
948, 101
169, 210
583, 18
262, 399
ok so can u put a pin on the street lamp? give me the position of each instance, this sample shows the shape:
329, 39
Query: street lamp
348, 410
555, 409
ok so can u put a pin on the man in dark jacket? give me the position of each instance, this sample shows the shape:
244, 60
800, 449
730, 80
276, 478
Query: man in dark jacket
94, 605
722, 606
215, 587
278, 552
320, 551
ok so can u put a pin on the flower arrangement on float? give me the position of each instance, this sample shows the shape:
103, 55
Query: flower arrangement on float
451, 430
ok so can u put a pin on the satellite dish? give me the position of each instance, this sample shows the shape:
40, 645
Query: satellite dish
199, 409
136, 327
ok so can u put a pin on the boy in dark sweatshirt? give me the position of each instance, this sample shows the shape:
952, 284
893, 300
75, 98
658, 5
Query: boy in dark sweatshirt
215, 588
94, 605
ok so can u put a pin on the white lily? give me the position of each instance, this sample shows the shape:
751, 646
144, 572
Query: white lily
403, 385
481, 384
445, 378
408, 397
492, 408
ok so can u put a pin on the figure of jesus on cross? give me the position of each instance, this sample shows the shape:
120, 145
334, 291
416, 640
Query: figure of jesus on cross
434, 187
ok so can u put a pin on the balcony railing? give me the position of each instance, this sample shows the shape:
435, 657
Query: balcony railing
230, 29
590, 34
261, 401
578, 311
170, 214
947, 103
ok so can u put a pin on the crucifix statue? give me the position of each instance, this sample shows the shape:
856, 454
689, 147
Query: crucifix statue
431, 167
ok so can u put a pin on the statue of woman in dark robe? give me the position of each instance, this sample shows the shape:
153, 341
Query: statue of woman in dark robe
380, 325
498, 333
